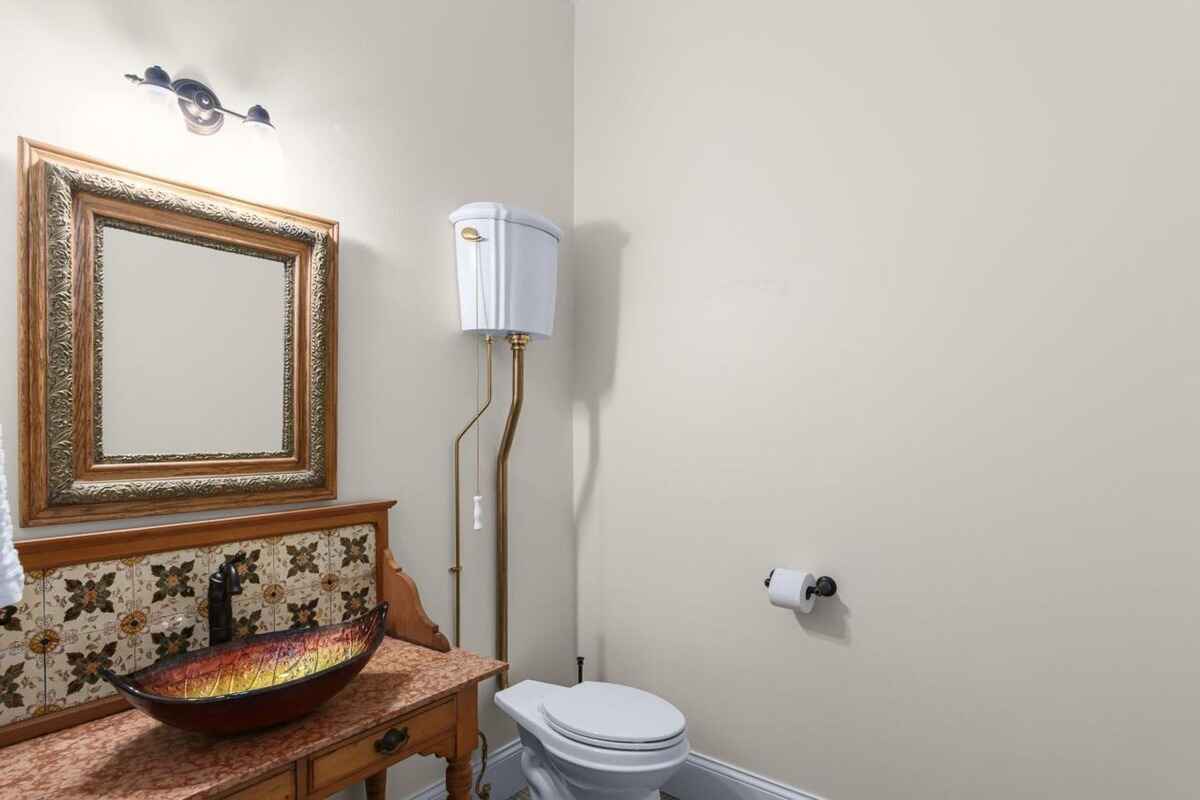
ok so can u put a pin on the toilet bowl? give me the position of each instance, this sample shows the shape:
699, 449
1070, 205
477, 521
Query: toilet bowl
595, 741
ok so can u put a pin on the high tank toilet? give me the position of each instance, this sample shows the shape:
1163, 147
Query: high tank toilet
595, 741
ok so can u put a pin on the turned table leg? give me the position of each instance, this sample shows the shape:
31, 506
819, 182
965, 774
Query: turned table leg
377, 785
458, 778
466, 730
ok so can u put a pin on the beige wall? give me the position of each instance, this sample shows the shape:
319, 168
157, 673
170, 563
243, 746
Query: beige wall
905, 293
390, 116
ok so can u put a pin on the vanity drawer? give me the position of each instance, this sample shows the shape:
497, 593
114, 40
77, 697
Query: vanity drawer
380, 747
280, 786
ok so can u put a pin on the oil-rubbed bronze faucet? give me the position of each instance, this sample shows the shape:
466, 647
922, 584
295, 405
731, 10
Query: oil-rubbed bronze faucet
222, 586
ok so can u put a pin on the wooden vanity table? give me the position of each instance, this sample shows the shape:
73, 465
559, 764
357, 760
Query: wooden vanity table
416, 696
409, 701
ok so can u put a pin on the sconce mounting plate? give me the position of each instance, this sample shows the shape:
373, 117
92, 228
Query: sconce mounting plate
200, 106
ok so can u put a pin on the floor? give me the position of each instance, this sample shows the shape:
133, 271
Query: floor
524, 795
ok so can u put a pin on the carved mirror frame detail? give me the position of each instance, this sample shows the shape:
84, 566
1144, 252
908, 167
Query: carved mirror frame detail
287, 446
65, 475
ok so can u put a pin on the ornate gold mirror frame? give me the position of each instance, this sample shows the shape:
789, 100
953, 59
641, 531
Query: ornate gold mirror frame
65, 203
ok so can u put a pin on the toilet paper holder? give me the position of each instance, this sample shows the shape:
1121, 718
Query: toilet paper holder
825, 586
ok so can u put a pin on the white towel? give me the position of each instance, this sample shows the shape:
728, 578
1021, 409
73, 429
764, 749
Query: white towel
12, 577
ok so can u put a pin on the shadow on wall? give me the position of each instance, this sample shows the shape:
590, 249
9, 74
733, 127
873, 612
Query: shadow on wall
362, 346
828, 619
597, 248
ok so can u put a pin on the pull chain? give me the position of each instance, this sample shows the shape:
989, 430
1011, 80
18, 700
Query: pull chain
478, 380
470, 235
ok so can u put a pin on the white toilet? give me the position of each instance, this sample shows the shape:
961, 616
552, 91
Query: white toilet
595, 741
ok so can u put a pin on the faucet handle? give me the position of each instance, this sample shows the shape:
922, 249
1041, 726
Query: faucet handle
235, 575
228, 575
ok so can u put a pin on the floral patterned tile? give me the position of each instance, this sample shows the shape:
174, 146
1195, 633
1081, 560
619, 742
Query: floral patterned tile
305, 606
170, 585
352, 550
91, 613
73, 668
40, 639
88, 597
353, 598
22, 667
133, 619
84, 607
330, 583
252, 620
261, 597
275, 595
301, 557
19, 622
167, 637
22, 687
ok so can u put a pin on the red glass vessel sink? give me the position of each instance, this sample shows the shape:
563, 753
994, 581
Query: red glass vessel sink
257, 681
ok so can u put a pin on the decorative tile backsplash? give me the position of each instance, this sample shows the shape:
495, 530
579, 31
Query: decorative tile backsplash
129, 613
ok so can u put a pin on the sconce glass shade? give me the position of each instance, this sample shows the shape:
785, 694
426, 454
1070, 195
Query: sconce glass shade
156, 77
257, 115
257, 125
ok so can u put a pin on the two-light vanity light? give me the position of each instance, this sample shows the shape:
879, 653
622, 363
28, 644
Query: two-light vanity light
202, 111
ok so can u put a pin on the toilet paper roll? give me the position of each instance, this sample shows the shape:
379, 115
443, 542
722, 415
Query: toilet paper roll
789, 589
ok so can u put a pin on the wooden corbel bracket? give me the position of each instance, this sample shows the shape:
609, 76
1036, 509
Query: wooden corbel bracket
407, 619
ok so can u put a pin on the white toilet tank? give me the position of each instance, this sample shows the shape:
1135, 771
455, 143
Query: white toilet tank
507, 269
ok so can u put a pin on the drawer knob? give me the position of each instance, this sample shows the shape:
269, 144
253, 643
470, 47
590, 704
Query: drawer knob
392, 741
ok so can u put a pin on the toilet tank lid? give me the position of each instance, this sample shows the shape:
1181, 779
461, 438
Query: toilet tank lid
508, 213
613, 713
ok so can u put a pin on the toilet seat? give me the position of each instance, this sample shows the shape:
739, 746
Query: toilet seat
601, 744
613, 717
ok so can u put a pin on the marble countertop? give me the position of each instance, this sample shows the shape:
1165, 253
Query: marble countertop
129, 756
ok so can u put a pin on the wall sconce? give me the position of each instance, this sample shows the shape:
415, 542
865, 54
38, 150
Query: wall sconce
202, 111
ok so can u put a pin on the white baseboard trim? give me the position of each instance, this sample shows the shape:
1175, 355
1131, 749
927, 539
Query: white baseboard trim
504, 774
700, 778
705, 778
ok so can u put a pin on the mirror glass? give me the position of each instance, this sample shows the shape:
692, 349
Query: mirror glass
193, 347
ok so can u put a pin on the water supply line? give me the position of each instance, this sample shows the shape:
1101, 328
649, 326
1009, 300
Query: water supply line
456, 570
517, 341
483, 790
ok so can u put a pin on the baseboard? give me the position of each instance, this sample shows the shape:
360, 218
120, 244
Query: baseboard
705, 778
700, 778
504, 774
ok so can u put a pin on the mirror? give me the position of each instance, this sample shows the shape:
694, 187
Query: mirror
228, 321
178, 348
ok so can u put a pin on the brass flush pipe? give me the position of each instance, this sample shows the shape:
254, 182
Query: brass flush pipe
456, 570
517, 341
